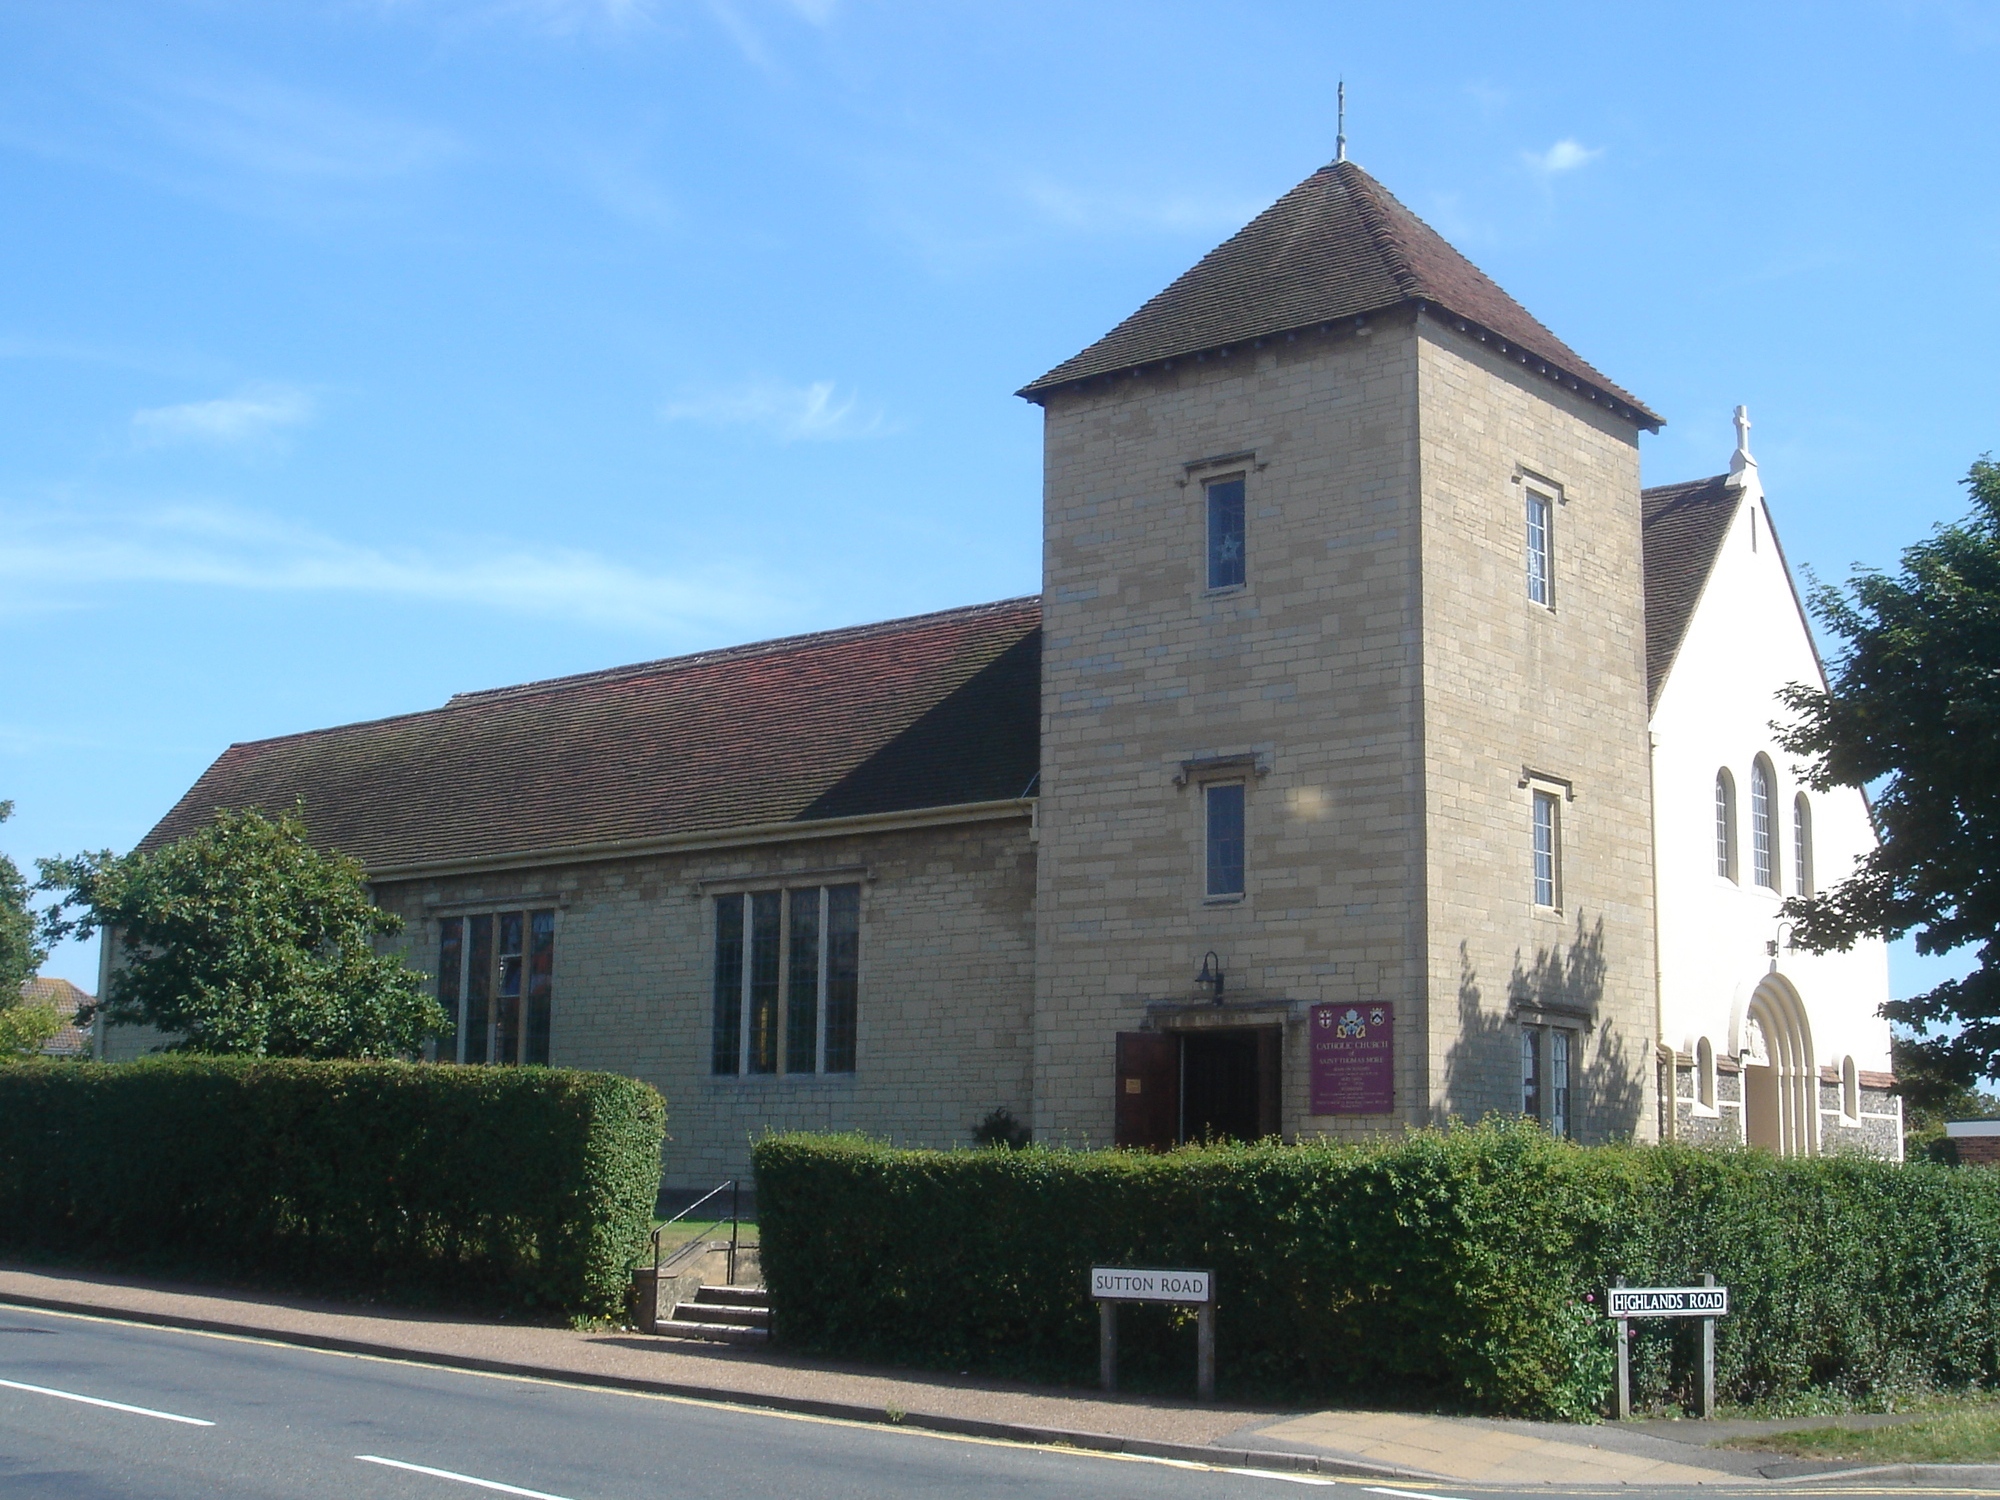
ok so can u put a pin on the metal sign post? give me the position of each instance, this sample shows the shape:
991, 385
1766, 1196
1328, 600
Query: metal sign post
1111, 1285
1707, 1302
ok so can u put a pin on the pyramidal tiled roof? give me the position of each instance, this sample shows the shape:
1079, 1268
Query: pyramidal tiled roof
1683, 526
1336, 246
938, 710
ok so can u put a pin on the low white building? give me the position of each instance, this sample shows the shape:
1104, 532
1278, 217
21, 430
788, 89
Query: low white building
1770, 1044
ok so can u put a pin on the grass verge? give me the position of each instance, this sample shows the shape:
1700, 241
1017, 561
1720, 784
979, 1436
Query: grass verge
1968, 1434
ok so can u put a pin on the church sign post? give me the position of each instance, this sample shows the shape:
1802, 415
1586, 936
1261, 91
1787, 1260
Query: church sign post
1707, 1302
1353, 1058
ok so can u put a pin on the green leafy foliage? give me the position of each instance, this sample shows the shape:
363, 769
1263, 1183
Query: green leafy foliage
512, 1187
1913, 714
24, 1028
243, 938
21, 956
1462, 1269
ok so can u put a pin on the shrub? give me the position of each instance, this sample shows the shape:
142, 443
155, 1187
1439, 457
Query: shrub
523, 1187
1443, 1268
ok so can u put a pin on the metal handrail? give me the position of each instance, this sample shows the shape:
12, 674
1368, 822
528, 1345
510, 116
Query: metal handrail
732, 1188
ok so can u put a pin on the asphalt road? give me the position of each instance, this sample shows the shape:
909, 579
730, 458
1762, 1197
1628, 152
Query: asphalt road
92, 1409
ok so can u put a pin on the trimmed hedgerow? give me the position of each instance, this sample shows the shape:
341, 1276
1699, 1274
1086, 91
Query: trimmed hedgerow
517, 1187
1460, 1268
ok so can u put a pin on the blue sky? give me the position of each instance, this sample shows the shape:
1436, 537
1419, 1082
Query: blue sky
353, 354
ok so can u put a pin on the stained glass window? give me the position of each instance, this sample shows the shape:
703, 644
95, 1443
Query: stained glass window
786, 980
496, 984
1225, 533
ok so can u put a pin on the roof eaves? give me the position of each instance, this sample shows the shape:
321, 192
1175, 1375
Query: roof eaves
1584, 385
792, 830
1050, 384
1592, 390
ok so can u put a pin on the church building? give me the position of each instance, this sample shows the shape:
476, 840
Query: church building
1376, 754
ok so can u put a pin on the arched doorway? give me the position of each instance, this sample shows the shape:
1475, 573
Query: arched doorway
1780, 1087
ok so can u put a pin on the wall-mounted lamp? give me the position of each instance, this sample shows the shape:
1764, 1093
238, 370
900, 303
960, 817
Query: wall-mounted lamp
1211, 974
1782, 940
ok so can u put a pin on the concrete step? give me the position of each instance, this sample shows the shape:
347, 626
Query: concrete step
719, 1312
711, 1333
733, 1296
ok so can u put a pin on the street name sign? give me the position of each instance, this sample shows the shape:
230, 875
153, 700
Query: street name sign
1122, 1284
1667, 1302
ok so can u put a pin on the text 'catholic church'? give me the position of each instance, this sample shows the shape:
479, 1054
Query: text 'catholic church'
1377, 753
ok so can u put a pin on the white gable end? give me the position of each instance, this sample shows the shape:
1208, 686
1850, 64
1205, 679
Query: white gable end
1722, 991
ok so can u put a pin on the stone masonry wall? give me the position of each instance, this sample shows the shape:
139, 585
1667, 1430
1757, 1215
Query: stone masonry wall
1512, 686
947, 934
1311, 667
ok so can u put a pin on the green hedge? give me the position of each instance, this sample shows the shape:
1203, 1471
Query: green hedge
522, 1187
1462, 1269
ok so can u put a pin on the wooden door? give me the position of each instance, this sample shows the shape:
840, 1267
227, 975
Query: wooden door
1149, 1090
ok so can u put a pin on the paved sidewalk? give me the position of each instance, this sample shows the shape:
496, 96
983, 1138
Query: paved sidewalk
1383, 1445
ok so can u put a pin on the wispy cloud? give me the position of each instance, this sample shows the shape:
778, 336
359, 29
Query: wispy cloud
213, 548
1566, 155
790, 413
229, 421
252, 143
283, 131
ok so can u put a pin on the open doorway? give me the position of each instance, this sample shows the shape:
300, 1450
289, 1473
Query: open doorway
1780, 1079
1207, 1084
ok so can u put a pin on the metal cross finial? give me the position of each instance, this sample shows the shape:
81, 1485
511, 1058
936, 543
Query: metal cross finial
1340, 140
1742, 467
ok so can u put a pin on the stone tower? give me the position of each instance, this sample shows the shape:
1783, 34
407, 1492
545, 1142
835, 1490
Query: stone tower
1343, 699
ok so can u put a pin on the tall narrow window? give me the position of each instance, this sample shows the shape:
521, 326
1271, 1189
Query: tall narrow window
1704, 1073
541, 983
1802, 849
507, 1009
1763, 850
787, 975
762, 1051
1558, 1082
1725, 824
496, 983
802, 981
1548, 850
843, 974
1531, 1072
1541, 557
1225, 533
477, 1028
1850, 1089
451, 964
728, 984
1224, 802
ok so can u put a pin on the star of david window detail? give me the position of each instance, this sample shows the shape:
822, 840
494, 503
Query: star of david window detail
1225, 533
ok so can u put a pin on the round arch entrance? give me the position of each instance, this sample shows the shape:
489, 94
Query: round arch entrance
1780, 1084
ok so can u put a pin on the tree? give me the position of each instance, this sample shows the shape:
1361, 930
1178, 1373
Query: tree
20, 956
1913, 715
244, 938
24, 1027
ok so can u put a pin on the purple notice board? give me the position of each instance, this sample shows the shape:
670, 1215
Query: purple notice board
1353, 1059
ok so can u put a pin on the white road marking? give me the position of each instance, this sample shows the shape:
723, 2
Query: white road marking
1376, 1489
1320, 1479
137, 1411
484, 1484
